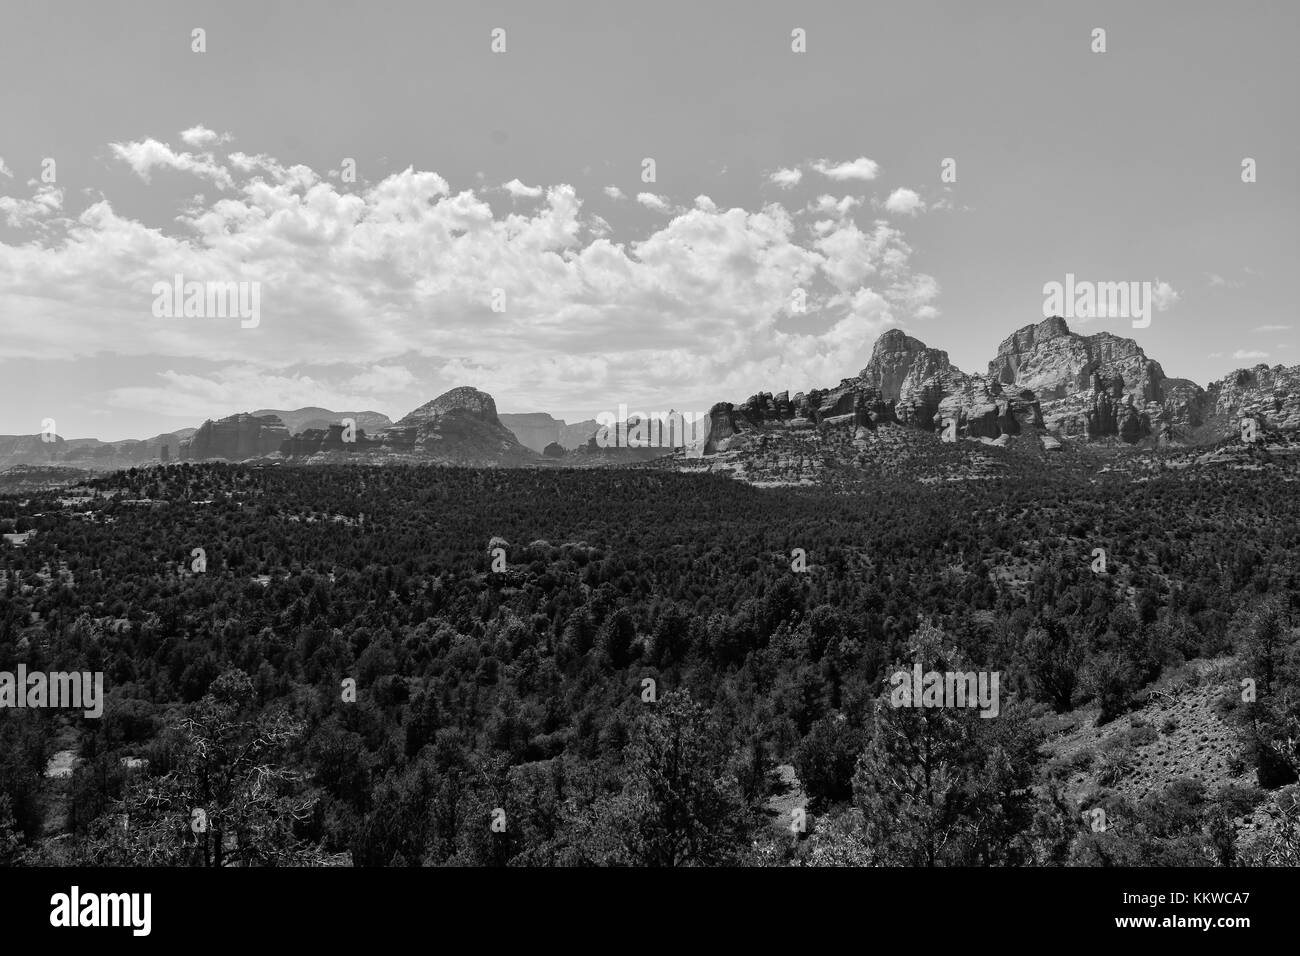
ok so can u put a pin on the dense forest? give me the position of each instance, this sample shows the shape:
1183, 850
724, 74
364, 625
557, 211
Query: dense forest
424, 666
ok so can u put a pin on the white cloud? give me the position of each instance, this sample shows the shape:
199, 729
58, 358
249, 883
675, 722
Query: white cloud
860, 168
5, 170
904, 202
200, 136
1249, 354
397, 276
241, 387
19, 213
519, 190
828, 204
613, 192
145, 156
785, 178
1271, 328
1163, 296
651, 201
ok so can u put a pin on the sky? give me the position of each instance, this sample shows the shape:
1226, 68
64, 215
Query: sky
500, 230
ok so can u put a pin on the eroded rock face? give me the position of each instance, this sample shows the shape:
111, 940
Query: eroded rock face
1271, 395
236, 438
1044, 379
901, 364
327, 441
1094, 386
458, 427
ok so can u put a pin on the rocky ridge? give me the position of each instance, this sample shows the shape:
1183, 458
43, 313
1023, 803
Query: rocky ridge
1045, 380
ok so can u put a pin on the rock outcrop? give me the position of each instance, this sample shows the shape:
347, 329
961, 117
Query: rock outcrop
1045, 380
235, 438
458, 427
1271, 395
1094, 386
328, 441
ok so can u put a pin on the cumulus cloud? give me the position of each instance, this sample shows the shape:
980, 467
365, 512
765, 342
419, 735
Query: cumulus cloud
398, 277
785, 178
200, 137
1163, 296
519, 190
147, 155
1249, 354
651, 201
826, 204
860, 168
613, 192
904, 202
19, 213
5, 170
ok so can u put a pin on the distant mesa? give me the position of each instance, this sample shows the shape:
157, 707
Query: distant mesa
301, 419
87, 453
536, 430
458, 427
235, 438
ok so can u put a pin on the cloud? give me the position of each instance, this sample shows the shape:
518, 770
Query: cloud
519, 190
243, 387
829, 204
145, 156
860, 168
200, 136
651, 201
19, 213
904, 202
398, 276
1271, 328
613, 192
1163, 296
5, 170
785, 178
1249, 354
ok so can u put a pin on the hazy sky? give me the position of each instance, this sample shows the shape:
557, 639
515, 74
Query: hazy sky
522, 172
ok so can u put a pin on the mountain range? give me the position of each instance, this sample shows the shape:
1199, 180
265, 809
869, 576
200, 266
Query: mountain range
1045, 381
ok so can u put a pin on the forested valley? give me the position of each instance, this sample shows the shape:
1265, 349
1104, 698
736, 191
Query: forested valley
415, 666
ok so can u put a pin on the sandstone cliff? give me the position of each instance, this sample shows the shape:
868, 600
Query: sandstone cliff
1045, 380
235, 438
458, 427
